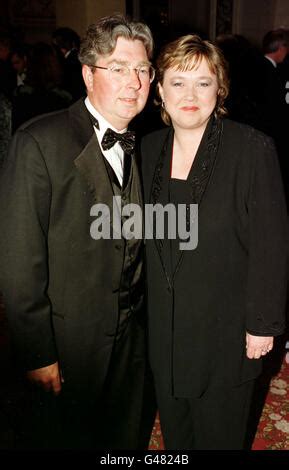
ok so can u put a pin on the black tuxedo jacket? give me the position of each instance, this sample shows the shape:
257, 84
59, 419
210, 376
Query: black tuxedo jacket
60, 286
235, 279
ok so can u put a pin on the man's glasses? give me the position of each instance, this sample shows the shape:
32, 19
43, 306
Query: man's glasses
145, 73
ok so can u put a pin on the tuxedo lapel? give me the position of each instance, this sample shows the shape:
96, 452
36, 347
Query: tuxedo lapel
81, 123
92, 167
90, 162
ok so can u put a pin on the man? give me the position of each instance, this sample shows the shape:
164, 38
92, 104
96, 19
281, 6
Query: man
7, 74
67, 41
75, 303
19, 61
274, 102
275, 46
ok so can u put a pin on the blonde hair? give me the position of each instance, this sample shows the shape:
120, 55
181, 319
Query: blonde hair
186, 53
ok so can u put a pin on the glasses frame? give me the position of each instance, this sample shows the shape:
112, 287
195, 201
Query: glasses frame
135, 69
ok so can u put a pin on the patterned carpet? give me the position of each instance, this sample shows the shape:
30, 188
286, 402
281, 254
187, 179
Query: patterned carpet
273, 425
270, 421
273, 428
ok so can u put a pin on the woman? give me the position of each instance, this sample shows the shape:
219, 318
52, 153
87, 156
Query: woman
213, 310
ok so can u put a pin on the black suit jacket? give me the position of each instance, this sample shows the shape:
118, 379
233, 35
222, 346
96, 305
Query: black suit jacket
235, 279
60, 286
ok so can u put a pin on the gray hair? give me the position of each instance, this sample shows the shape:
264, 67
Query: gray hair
101, 37
274, 39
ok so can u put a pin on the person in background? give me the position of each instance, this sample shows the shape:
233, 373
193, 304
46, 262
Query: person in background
213, 310
283, 68
67, 42
275, 46
19, 59
75, 301
257, 96
5, 127
245, 101
7, 73
42, 92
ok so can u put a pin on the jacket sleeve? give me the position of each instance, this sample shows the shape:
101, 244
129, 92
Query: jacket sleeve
268, 242
25, 195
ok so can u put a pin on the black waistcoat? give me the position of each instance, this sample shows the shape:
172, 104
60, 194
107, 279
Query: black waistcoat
131, 289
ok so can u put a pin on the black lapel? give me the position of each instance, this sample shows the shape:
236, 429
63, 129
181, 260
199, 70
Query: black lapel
92, 167
205, 160
81, 123
160, 188
90, 159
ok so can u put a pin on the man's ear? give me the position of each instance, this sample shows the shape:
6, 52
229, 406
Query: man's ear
87, 77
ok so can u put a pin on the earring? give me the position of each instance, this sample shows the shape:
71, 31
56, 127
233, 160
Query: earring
163, 104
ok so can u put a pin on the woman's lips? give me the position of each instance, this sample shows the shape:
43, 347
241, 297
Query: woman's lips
190, 108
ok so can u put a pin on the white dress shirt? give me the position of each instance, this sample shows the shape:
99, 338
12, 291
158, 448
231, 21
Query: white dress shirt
115, 155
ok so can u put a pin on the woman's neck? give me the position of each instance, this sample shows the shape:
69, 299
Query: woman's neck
185, 147
187, 139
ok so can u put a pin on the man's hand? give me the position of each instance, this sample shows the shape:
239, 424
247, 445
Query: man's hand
49, 378
258, 346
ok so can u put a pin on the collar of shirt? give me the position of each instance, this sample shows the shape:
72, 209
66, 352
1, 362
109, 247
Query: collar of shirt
115, 155
272, 61
68, 52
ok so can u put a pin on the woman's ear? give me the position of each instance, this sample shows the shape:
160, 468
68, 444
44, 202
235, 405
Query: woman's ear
87, 77
160, 91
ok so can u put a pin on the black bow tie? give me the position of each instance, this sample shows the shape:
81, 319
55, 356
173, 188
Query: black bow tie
126, 140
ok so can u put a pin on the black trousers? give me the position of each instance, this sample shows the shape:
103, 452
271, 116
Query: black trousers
215, 421
128, 400
121, 416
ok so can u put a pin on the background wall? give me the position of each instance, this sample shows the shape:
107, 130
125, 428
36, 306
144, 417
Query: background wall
251, 18
190, 14
282, 14
259, 16
89, 11
38, 18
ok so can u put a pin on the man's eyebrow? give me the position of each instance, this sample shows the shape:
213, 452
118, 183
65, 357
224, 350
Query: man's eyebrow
125, 62
117, 61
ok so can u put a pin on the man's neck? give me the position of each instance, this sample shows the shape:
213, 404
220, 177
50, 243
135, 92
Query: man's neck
103, 123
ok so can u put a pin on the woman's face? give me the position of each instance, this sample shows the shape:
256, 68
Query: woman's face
189, 97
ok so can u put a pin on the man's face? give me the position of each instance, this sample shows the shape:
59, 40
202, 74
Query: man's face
282, 54
119, 99
4, 52
18, 63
